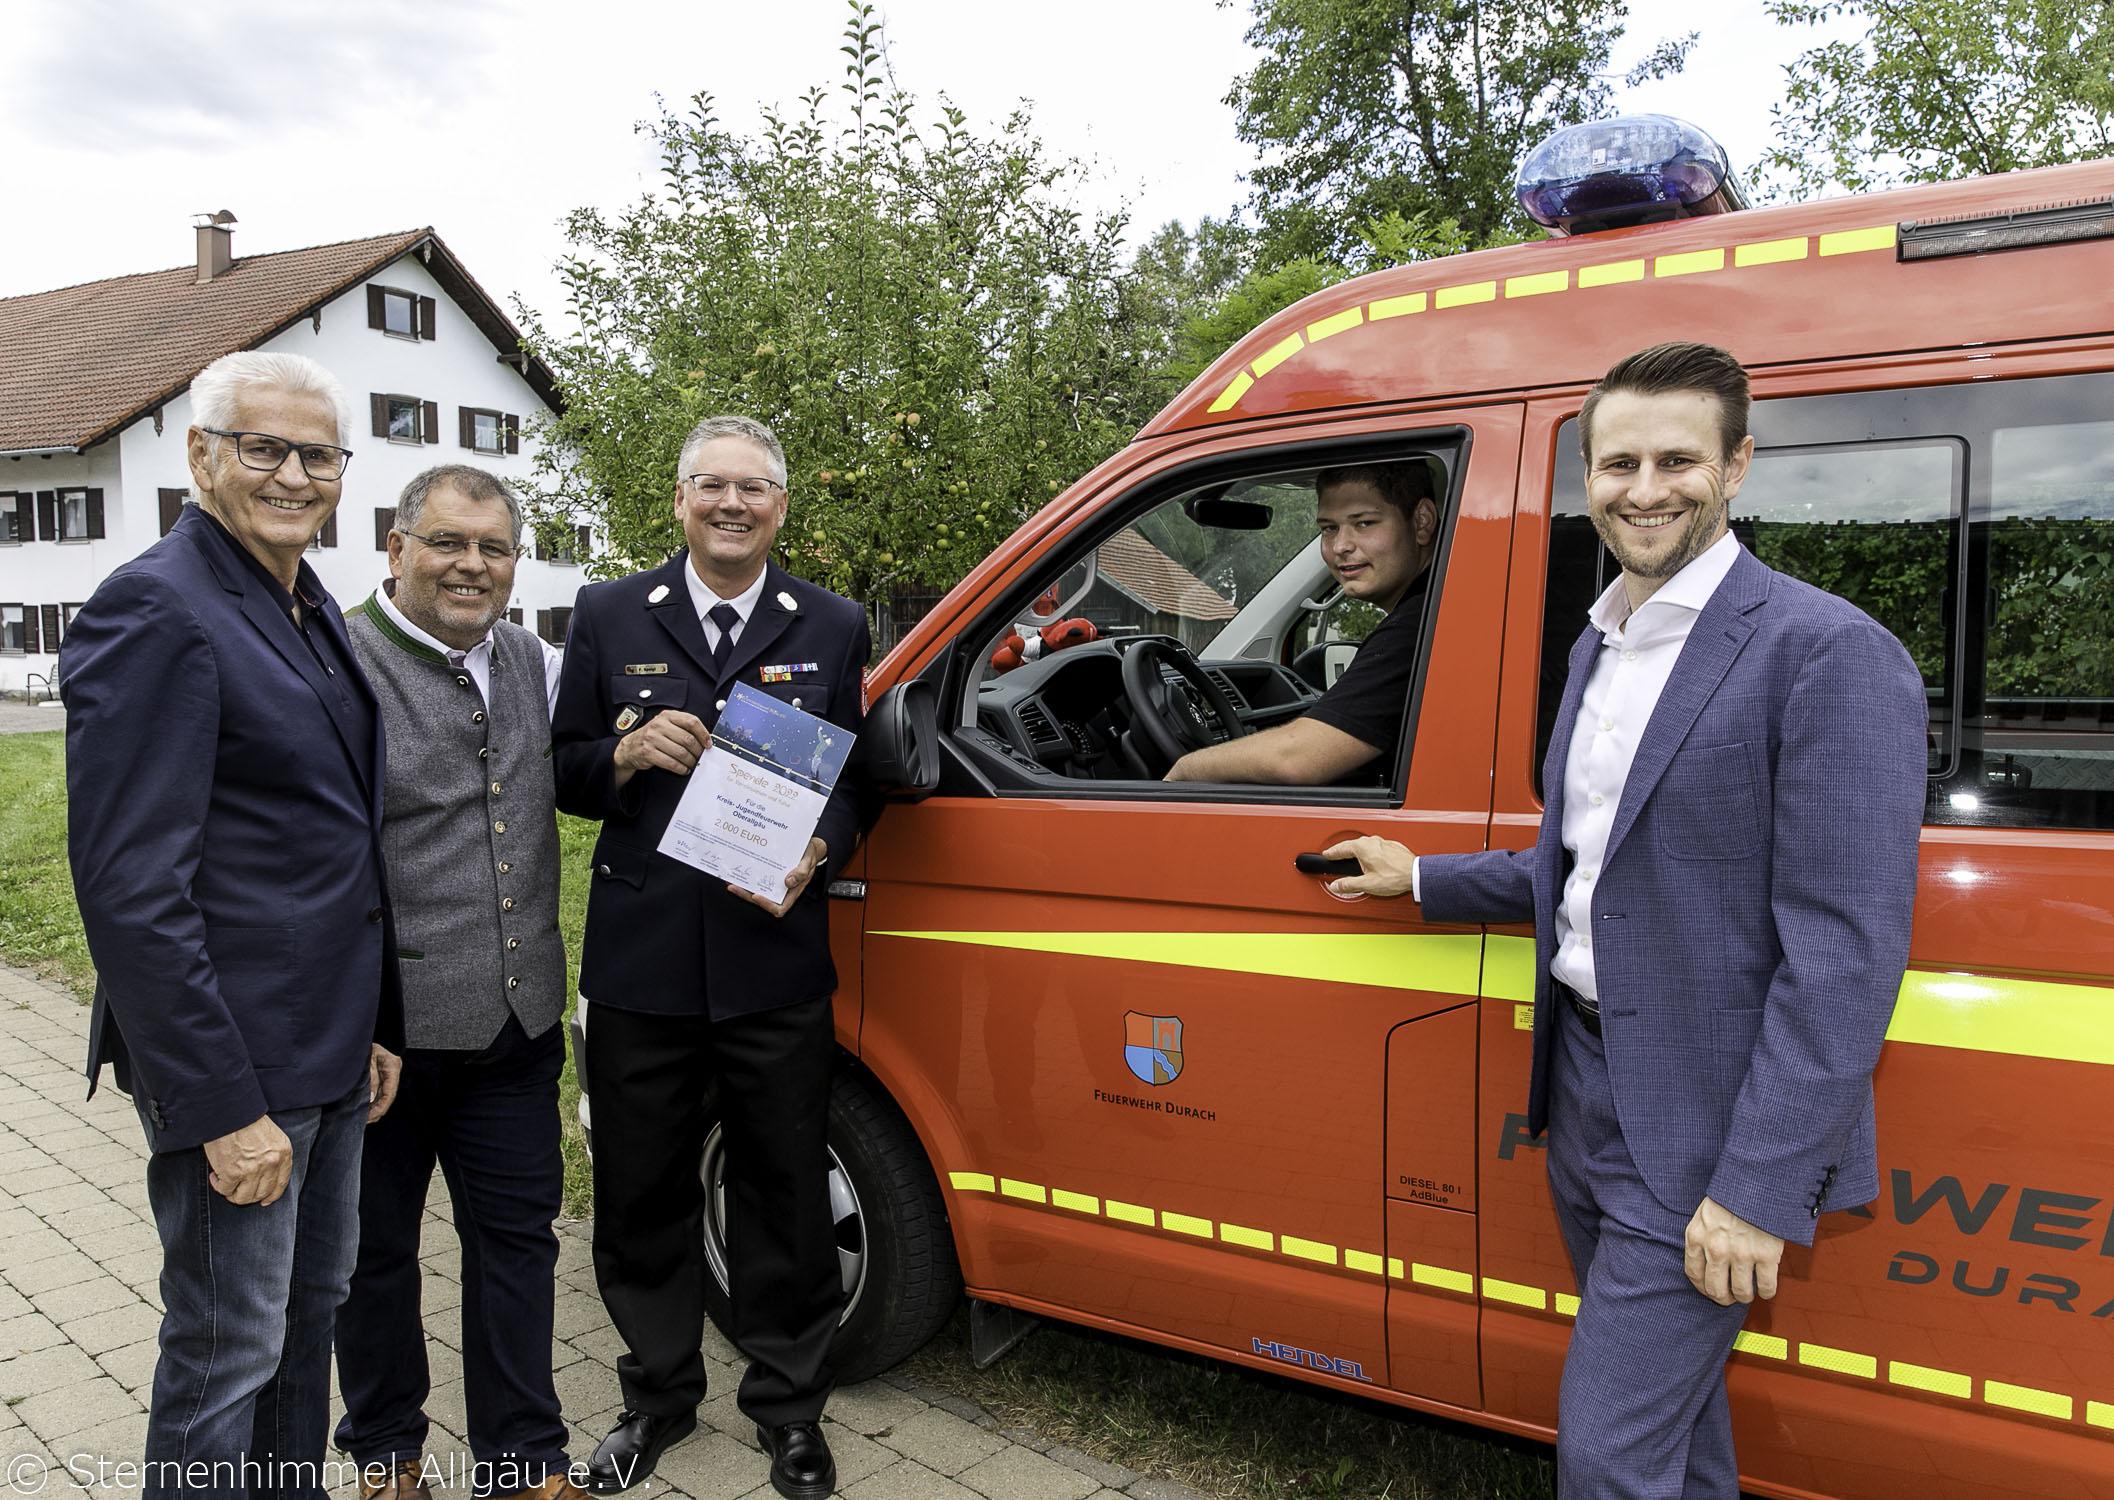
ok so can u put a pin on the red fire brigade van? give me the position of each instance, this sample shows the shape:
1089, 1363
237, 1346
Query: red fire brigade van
1109, 1057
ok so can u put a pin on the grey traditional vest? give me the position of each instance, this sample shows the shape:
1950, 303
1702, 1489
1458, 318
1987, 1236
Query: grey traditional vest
470, 832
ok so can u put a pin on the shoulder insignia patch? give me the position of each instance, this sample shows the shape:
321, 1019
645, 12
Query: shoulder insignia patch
660, 592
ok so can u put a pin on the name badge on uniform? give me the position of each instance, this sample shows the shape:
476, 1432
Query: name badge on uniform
784, 672
646, 669
626, 717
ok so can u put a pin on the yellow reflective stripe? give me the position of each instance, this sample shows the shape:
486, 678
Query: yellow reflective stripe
1395, 307
2100, 1413
1230, 396
1689, 262
1924, 1378
2021, 1017
1308, 1249
1394, 1268
1769, 252
1512, 1291
1465, 294
1439, 1276
1768, 1345
1850, 241
1350, 317
1364, 1260
1129, 1213
1077, 1202
1277, 354
2027, 1398
973, 1182
1184, 1224
1508, 971
1841, 1361
1611, 273
1027, 1190
1254, 1239
1447, 963
1567, 1304
1539, 283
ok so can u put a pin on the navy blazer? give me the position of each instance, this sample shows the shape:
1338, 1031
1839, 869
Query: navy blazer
225, 836
663, 936
1751, 919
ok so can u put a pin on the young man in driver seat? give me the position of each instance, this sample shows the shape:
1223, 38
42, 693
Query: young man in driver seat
1379, 527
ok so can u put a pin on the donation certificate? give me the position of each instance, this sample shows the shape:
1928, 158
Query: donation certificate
752, 802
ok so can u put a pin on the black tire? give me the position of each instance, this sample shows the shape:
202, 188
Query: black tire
901, 1278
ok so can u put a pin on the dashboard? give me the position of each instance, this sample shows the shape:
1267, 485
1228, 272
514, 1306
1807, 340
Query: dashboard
1067, 714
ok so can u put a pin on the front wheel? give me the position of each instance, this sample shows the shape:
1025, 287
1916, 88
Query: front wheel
894, 1248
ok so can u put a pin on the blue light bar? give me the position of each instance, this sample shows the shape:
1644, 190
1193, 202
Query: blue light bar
1635, 169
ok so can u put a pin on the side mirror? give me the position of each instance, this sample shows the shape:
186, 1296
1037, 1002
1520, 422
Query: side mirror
900, 745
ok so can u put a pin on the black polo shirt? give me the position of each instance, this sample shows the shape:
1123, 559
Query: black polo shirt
1370, 699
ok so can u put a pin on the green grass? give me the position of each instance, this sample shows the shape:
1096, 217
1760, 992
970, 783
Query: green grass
40, 928
1228, 1431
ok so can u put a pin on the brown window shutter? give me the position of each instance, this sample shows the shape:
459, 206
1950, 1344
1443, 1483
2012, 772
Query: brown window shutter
53, 632
513, 433
47, 515
542, 552
330, 530
377, 313
384, 519
514, 616
581, 539
429, 421
561, 625
95, 515
543, 625
428, 310
172, 506
465, 427
378, 407
30, 645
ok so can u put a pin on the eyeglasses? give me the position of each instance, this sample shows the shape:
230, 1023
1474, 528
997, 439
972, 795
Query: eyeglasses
711, 486
457, 546
265, 453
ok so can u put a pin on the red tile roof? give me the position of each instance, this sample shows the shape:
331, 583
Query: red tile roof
78, 363
1163, 585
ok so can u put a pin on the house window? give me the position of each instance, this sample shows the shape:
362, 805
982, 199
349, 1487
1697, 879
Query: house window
552, 624
77, 515
564, 545
172, 507
14, 627
400, 314
404, 419
488, 431
66, 614
16, 524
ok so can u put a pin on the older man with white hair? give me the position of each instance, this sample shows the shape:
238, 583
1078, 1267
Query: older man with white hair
224, 780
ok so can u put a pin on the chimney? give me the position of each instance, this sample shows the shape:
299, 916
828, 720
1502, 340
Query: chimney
216, 241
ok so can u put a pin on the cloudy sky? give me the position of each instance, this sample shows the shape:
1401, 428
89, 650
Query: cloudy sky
314, 120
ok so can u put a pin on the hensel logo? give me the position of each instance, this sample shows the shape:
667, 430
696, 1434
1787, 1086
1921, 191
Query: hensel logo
1152, 1045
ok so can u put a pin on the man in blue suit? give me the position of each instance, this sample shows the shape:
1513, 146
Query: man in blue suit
224, 774
691, 987
1721, 896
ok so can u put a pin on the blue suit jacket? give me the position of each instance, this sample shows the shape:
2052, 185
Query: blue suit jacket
1751, 919
662, 936
225, 841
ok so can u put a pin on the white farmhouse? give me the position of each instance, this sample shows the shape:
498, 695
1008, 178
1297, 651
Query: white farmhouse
95, 403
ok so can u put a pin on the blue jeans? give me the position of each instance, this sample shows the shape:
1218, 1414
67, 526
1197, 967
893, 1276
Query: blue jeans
242, 1390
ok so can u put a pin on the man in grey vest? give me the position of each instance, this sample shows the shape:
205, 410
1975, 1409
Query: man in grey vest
471, 838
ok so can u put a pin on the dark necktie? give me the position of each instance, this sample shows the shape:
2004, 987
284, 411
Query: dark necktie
726, 617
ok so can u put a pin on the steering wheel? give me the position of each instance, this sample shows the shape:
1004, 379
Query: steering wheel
1170, 718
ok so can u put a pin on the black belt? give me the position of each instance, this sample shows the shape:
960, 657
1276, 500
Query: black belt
1587, 1011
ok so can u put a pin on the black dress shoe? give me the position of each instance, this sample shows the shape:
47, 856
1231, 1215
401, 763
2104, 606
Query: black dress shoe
801, 1468
633, 1447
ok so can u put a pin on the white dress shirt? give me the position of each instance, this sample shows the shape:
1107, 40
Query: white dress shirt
1636, 657
702, 598
477, 661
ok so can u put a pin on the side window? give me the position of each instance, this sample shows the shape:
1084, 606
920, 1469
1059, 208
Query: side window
2047, 721
1976, 522
1210, 612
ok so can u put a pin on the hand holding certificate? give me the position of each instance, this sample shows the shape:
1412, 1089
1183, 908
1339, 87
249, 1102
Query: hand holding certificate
749, 810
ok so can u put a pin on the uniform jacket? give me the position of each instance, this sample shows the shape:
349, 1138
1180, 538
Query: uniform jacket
661, 935
226, 842
1751, 919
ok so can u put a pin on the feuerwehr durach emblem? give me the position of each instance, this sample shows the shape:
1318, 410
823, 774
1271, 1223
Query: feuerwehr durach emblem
1152, 1046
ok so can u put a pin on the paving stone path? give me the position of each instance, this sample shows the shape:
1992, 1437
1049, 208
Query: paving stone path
79, 1311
